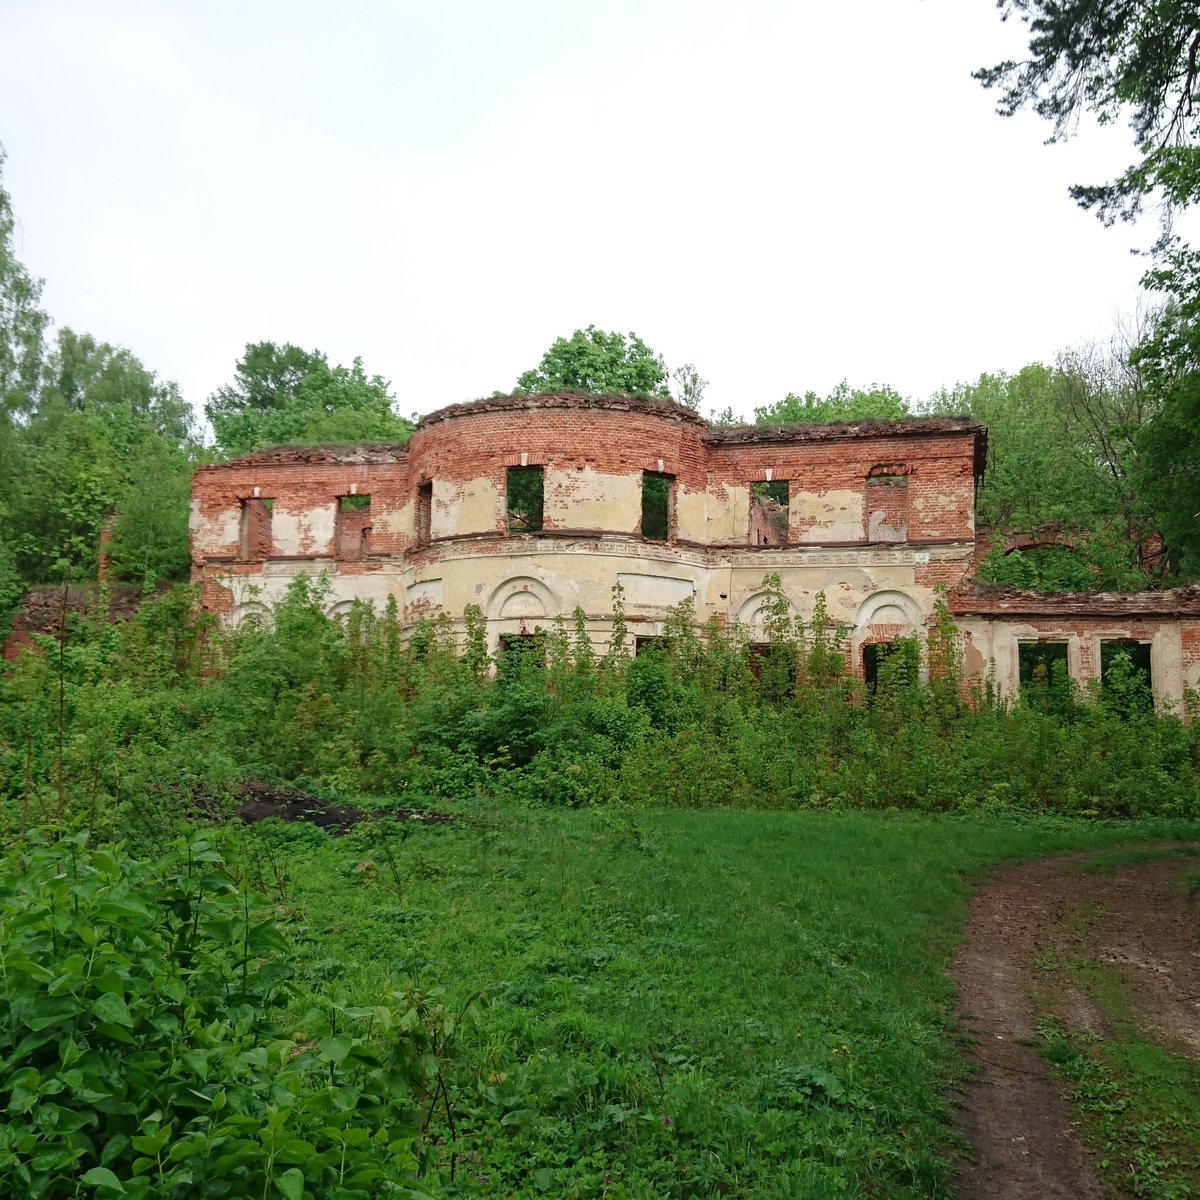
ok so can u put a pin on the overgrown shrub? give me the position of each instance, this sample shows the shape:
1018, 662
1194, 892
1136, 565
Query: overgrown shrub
167, 706
141, 1052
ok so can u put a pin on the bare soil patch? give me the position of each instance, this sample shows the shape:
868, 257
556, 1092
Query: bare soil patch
262, 801
1132, 915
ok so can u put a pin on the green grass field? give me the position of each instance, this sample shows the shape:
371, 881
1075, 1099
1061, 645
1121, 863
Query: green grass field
676, 1004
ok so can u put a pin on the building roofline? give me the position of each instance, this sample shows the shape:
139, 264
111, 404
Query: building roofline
614, 402
344, 453
987, 600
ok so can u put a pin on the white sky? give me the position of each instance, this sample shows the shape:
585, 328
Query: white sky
784, 193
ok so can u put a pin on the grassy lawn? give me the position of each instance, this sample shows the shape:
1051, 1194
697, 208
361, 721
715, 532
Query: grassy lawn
676, 1004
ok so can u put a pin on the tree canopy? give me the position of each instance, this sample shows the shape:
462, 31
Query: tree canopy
1062, 473
286, 394
1114, 58
593, 360
1137, 59
90, 441
1169, 443
844, 403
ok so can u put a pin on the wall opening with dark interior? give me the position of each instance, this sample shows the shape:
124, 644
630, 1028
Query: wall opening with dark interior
254, 529
769, 506
887, 503
424, 516
518, 649
353, 527
773, 665
896, 662
651, 644
526, 492
1045, 674
1137, 671
874, 655
658, 502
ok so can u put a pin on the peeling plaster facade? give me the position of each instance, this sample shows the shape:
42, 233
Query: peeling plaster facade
878, 514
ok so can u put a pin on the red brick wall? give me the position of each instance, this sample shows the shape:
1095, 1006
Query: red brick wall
611, 437
941, 482
1190, 634
484, 444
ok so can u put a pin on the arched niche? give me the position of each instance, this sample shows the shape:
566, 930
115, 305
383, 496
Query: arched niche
250, 615
891, 608
341, 610
753, 614
522, 599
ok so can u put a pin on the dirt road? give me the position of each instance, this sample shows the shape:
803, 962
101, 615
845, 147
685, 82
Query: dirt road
1131, 915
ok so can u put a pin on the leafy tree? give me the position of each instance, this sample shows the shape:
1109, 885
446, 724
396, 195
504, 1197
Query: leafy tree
67, 486
689, 386
1114, 58
22, 322
844, 403
592, 360
285, 394
1134, 58
1045, 472
150, 526
89, 437
1169, 467
106, 444
22, 331
86, 375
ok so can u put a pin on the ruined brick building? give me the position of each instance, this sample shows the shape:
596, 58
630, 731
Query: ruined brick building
532, 507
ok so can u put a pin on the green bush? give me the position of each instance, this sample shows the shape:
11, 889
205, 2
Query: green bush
140, 1050
166, 707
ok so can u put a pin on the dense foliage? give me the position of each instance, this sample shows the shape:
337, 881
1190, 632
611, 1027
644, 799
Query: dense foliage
285, 394
142, 1048
594, 360
1063, 473
164, 704
1136, 59
844, 403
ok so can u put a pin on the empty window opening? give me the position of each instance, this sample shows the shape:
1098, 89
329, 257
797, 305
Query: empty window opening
892, 662
424, 519
1125, 673
1041, 660
769, 512
773, 663
517, 649
875, 654
254, 531
651, 645
1044, 674
526, 496
658, 496
353, 527
887, 504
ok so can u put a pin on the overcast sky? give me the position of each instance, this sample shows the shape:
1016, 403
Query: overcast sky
785, 194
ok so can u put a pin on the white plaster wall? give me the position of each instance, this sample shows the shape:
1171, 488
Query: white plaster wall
1166, 662
302, 530
691, 515
270, 587
729, 518
580, 498
214, 533
474, 507
396, 520
836, 516
655, 591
